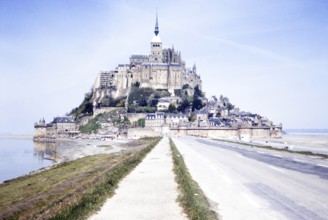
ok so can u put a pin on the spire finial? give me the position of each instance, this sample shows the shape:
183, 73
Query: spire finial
156, 25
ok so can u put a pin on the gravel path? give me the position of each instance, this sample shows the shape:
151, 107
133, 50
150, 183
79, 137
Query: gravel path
148, 192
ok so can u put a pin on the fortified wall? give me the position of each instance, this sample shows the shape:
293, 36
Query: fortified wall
223, 132
143, 132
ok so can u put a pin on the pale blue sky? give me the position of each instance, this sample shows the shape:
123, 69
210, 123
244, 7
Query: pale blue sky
269, 57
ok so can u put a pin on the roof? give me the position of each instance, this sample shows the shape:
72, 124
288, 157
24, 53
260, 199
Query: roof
138, 56
214, 119
170, 98
62, 120
202, 112
161, 64
123, 65
163, 100
155, 115
180, 115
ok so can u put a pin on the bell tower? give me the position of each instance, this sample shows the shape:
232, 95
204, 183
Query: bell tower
156, 53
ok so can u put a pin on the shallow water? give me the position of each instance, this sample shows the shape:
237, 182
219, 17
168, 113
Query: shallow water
21, 156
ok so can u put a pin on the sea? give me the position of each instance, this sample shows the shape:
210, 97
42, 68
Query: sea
306, 131
20, 156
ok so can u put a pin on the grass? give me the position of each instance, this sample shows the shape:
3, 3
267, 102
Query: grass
92, 126
72, 190
191, 197
308, 153
106, 146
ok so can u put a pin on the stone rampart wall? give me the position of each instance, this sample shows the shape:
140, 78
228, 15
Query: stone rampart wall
143, 132
252, 132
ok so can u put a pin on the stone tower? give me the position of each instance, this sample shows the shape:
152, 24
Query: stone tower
156, 51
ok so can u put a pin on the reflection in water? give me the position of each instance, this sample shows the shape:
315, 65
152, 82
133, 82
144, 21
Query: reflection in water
46, 150
21, 156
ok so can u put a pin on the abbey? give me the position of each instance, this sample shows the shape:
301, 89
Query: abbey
163, 68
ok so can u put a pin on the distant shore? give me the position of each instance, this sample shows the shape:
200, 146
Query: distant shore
16, 136
314, 142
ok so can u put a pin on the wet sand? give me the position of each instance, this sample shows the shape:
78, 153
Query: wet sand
72, 149
317, 143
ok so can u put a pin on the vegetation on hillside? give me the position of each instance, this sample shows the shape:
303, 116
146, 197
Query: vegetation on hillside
113, 118
140, 100
111, 102
226, 102
194, 101
92, 126
197, 101
84, 109
72, 190
144, 100
141, 122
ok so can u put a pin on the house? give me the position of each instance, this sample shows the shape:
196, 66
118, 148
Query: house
156, 119
164, 103
201, 115
60, 127
214, 121
174, 120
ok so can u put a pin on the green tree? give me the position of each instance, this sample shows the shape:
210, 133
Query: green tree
198, 92
230, 106
172, 108
197, 102
141, 122
183, 105
185, 86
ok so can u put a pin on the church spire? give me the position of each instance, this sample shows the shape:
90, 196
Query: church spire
156, 26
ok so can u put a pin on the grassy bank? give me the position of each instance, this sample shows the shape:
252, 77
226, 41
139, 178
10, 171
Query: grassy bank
308, 153
191, 197
71, 190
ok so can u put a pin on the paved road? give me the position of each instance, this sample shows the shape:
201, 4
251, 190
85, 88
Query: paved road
250, 183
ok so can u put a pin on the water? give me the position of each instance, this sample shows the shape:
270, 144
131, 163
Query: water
307, 131
21, 156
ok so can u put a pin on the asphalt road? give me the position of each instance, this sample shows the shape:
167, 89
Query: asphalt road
242, 182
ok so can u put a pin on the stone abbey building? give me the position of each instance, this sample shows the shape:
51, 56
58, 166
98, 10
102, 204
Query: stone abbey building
163, 68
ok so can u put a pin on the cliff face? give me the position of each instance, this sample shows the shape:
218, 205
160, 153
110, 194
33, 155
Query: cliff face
110, 121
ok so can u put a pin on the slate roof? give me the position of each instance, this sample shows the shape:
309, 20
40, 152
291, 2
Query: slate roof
62, 120
138, 56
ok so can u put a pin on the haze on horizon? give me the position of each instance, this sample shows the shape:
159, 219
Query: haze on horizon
267, 57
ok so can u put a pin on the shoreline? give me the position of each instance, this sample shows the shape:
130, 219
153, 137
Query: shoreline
65, 150
80, 190
71, 149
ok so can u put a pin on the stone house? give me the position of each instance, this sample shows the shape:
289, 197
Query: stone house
201, 115
174, 120
60, 127
164, 103
156, 119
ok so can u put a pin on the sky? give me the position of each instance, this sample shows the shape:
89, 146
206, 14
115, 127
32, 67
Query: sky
268, 57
